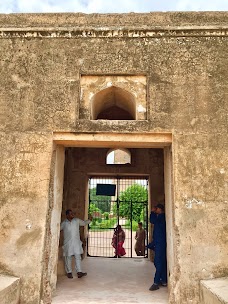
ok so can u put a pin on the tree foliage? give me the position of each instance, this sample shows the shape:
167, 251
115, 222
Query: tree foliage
93, 208
100, 201
132, 202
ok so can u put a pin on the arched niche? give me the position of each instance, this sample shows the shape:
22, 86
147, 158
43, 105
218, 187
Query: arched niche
118, 157
113, 103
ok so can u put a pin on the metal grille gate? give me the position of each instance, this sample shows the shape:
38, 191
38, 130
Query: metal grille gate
126, 206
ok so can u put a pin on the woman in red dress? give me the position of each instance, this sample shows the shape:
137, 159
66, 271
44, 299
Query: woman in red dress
118, 241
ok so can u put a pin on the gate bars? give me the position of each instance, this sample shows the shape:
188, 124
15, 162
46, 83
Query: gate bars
126, 207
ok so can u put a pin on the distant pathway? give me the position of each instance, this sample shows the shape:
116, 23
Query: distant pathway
99, 243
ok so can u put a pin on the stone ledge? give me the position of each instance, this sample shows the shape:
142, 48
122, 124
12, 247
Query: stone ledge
9, 290
214, 291
72, 32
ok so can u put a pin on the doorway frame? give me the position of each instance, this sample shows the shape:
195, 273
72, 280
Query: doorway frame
62, 140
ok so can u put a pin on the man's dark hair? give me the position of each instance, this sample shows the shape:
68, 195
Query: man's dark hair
140, 223
160, 206
68, 211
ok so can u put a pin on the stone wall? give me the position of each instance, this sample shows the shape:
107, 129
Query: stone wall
184, 58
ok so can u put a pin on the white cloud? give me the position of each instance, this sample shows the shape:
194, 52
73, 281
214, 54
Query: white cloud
7, 6
202, 5
49, 6
109, 6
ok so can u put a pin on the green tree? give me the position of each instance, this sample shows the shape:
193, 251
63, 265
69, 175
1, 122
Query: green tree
132, 201
93, 208
100, 201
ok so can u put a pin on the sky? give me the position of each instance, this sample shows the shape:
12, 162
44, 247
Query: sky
110, 6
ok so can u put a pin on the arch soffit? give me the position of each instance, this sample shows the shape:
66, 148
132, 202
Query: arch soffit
113, 96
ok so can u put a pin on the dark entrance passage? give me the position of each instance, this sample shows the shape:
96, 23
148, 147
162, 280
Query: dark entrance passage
117, 201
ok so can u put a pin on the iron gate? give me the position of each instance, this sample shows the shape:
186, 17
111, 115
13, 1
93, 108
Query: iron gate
116, 201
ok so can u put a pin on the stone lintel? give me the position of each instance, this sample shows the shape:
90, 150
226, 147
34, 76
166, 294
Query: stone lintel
113, 140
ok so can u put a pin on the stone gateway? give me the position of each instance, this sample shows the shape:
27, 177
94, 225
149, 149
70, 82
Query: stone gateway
74, 87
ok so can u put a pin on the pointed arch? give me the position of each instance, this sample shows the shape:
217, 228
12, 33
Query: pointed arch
113, 103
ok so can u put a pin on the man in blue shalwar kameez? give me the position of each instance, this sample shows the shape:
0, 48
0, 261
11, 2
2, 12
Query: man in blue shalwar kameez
157, 218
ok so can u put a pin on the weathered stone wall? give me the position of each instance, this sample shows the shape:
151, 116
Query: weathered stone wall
25, 173
184, 56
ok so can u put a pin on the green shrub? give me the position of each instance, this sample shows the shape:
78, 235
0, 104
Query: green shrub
134, 225
103, 224
106, 215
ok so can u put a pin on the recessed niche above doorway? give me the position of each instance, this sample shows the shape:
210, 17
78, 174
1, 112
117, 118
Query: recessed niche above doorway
113, 97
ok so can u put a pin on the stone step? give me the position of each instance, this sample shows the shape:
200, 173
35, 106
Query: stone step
214, 291
9, 290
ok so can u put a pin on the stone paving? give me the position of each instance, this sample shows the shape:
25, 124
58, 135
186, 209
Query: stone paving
111, 280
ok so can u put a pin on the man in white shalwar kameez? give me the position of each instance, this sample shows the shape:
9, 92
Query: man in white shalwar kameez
72, 245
